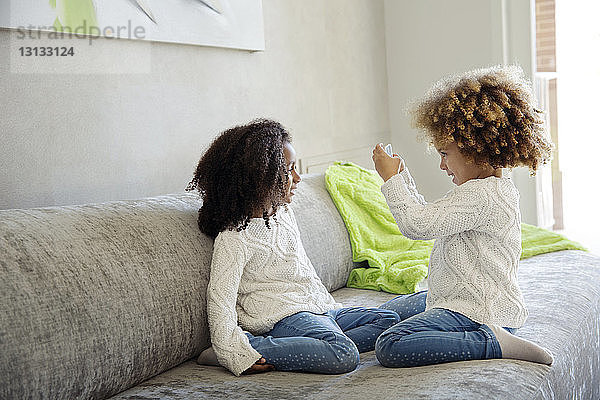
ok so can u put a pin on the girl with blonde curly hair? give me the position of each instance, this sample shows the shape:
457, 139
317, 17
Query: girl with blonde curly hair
479, 122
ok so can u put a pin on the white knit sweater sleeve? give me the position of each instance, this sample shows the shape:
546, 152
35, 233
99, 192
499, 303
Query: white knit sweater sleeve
459, 210
229, 342
411, 186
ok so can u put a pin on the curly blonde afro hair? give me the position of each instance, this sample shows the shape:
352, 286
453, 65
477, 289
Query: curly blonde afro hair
490, 114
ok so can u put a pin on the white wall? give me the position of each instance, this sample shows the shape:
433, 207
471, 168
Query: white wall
74, 137
428, 39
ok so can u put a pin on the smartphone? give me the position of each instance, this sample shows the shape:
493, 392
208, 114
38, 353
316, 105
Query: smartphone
388, 150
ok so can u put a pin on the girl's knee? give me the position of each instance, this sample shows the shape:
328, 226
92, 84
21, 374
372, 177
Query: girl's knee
392, 361
345, 356
382, 343
407, 305
389, 351
347, 361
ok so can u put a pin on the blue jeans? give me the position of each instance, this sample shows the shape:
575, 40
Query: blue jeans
433, 336
323, 343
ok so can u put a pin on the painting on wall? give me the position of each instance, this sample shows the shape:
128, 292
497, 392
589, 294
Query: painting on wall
220, 23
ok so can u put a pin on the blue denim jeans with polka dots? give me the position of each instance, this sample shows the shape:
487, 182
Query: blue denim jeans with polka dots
327, 343
433, 336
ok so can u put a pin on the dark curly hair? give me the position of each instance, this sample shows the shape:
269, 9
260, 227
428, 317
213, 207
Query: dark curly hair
490, 114
240, 175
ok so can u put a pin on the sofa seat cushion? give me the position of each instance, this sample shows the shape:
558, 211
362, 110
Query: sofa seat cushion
562, 293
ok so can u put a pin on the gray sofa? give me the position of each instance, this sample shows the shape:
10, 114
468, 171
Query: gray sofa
108, 300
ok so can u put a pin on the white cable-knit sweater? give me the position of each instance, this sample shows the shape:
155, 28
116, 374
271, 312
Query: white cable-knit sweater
475, 256
259, 276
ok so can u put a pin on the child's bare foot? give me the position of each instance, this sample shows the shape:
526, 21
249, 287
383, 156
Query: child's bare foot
520, 349
259, 366
208, 357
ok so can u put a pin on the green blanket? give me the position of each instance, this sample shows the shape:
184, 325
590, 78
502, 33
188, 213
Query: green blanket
397, 264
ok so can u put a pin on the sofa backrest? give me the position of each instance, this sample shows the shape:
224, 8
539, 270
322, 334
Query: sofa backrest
323, 232
97, 298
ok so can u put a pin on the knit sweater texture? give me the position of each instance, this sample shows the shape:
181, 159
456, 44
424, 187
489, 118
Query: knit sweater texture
475, 257
259, 276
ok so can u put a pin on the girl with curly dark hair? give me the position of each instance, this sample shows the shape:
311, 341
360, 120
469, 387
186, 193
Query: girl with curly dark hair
479, 122
267, 308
